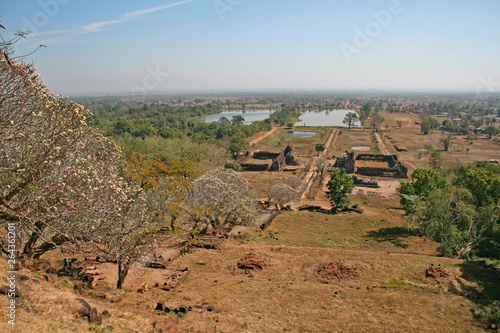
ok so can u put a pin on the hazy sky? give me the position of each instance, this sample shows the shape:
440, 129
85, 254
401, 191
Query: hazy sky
158, 45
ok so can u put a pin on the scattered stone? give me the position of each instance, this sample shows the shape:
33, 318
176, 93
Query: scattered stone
95, 317
83, 308
88, 312
105, 314
6, 291
24, 288
175, 279
93, 272
23, 277
157, 265
182, 309
160, 306
51, 278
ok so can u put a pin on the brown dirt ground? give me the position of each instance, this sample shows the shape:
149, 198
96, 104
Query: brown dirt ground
339, 270
253, 260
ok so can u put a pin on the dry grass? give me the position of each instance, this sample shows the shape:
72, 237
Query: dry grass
351, 138
461, 152
287, 296
379, 228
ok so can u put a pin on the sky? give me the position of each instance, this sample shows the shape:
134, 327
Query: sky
153, 46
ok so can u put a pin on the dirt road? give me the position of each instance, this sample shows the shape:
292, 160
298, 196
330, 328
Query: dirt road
381, 144
263, 136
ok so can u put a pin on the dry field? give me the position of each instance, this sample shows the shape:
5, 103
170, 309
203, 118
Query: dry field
461, 151
320, 273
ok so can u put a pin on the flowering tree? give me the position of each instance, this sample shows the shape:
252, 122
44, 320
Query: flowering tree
282, 193
223, 198
60, 179
287, 190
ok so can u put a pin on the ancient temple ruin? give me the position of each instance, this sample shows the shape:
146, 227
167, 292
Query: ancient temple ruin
375, 165
267, 161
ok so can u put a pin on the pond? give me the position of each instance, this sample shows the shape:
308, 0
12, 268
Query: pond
249, 115
361, 148
324, 118
299, 134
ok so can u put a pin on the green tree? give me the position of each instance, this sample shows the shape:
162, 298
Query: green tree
448, 217
339, 187
446, 142
223, 121
491, 130
350, 119
424, 182
319, 147
377, 120
484, 185
429, 124
436, 160
425, 127
237, 145
238, 120
464, 216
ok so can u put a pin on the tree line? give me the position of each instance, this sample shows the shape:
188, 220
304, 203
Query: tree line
459, 208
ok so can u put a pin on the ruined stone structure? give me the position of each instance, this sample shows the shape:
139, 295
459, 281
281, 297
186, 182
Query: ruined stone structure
278, 161
282, 160
395, 169
347, 162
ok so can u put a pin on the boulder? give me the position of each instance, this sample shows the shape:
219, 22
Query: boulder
51, 278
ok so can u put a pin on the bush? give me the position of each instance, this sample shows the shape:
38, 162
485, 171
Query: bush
233, 166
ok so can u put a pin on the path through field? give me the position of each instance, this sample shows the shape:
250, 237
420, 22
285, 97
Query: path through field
263, 136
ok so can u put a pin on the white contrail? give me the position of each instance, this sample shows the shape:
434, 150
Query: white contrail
96, 26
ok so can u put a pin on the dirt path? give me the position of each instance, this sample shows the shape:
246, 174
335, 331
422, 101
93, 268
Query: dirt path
381, 144
329, 142
313, 169
263, 136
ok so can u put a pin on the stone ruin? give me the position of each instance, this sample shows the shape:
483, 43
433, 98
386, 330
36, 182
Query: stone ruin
279, 161
346, 162
394, 169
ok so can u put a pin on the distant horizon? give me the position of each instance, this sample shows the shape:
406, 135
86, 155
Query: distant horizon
222, 92
158, 46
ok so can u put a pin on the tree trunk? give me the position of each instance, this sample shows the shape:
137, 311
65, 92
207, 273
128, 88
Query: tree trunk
172, 222
35, 235
122, 272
